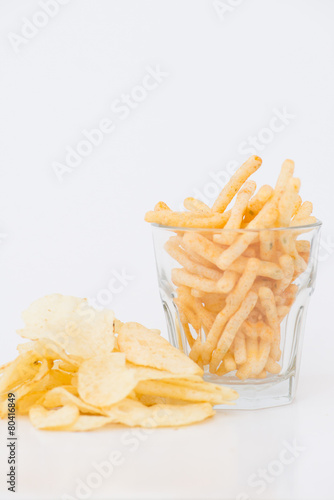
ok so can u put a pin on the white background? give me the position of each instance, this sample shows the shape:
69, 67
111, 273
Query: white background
227, 75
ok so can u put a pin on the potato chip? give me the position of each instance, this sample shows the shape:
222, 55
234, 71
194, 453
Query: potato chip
26, 402
105, 380
88, 423
134, 413
22, 369
143, 347
46, 348
147, 373
191, 393
59, 396
53, 419
79, 329
223, 392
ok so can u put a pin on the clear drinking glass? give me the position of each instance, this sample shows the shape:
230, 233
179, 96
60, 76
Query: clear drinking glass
260, 345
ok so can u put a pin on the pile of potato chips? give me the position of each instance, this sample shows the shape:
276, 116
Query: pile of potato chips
83, 369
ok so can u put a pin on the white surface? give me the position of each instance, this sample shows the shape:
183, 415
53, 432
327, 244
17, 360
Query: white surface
219, 459
226, 79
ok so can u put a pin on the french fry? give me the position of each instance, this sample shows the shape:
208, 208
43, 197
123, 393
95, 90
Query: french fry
286, 173
187, 333
287, 265
305, 256
229, 362
266, 269
189, 314
237, 213
246, 370
199, 244
300, 265
259, 330
241, 175
306, 221
258, 201
161, 206
240, 353
172, 247
182, 277
287, 202
304, 211
262, 357
186, 219
303, 246
267, 245
231, 329
227, 281
286, 205
297, 205
268, 303
233, 301
290, 293
195, 205
282, 311
265, 218
236, 284
272, 366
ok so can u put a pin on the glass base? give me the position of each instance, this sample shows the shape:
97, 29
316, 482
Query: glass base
268, 393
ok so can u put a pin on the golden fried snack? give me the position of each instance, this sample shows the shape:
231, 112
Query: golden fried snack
237, 281
195, 205
241, 175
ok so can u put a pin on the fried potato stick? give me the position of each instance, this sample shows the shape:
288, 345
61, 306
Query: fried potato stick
228, 280
237, 213
195, 205
240, 353
268, 303
177, 253
231, 329
237, 180
186, 219
258, 201
233, 301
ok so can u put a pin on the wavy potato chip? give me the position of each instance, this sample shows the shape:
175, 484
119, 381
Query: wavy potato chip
180, 392
225, 393
27, 387
26, 402
88, 423
79, 329
148, 373
53, 419
105, 380
46, 348
142, 347
133, 413
60, 396
22, 369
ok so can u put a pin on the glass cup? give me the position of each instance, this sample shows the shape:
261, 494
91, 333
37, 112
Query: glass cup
239, 315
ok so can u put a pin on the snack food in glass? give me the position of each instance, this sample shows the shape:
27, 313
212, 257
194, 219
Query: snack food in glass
235, 285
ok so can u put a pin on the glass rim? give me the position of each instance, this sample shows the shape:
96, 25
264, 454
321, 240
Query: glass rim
315, 225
